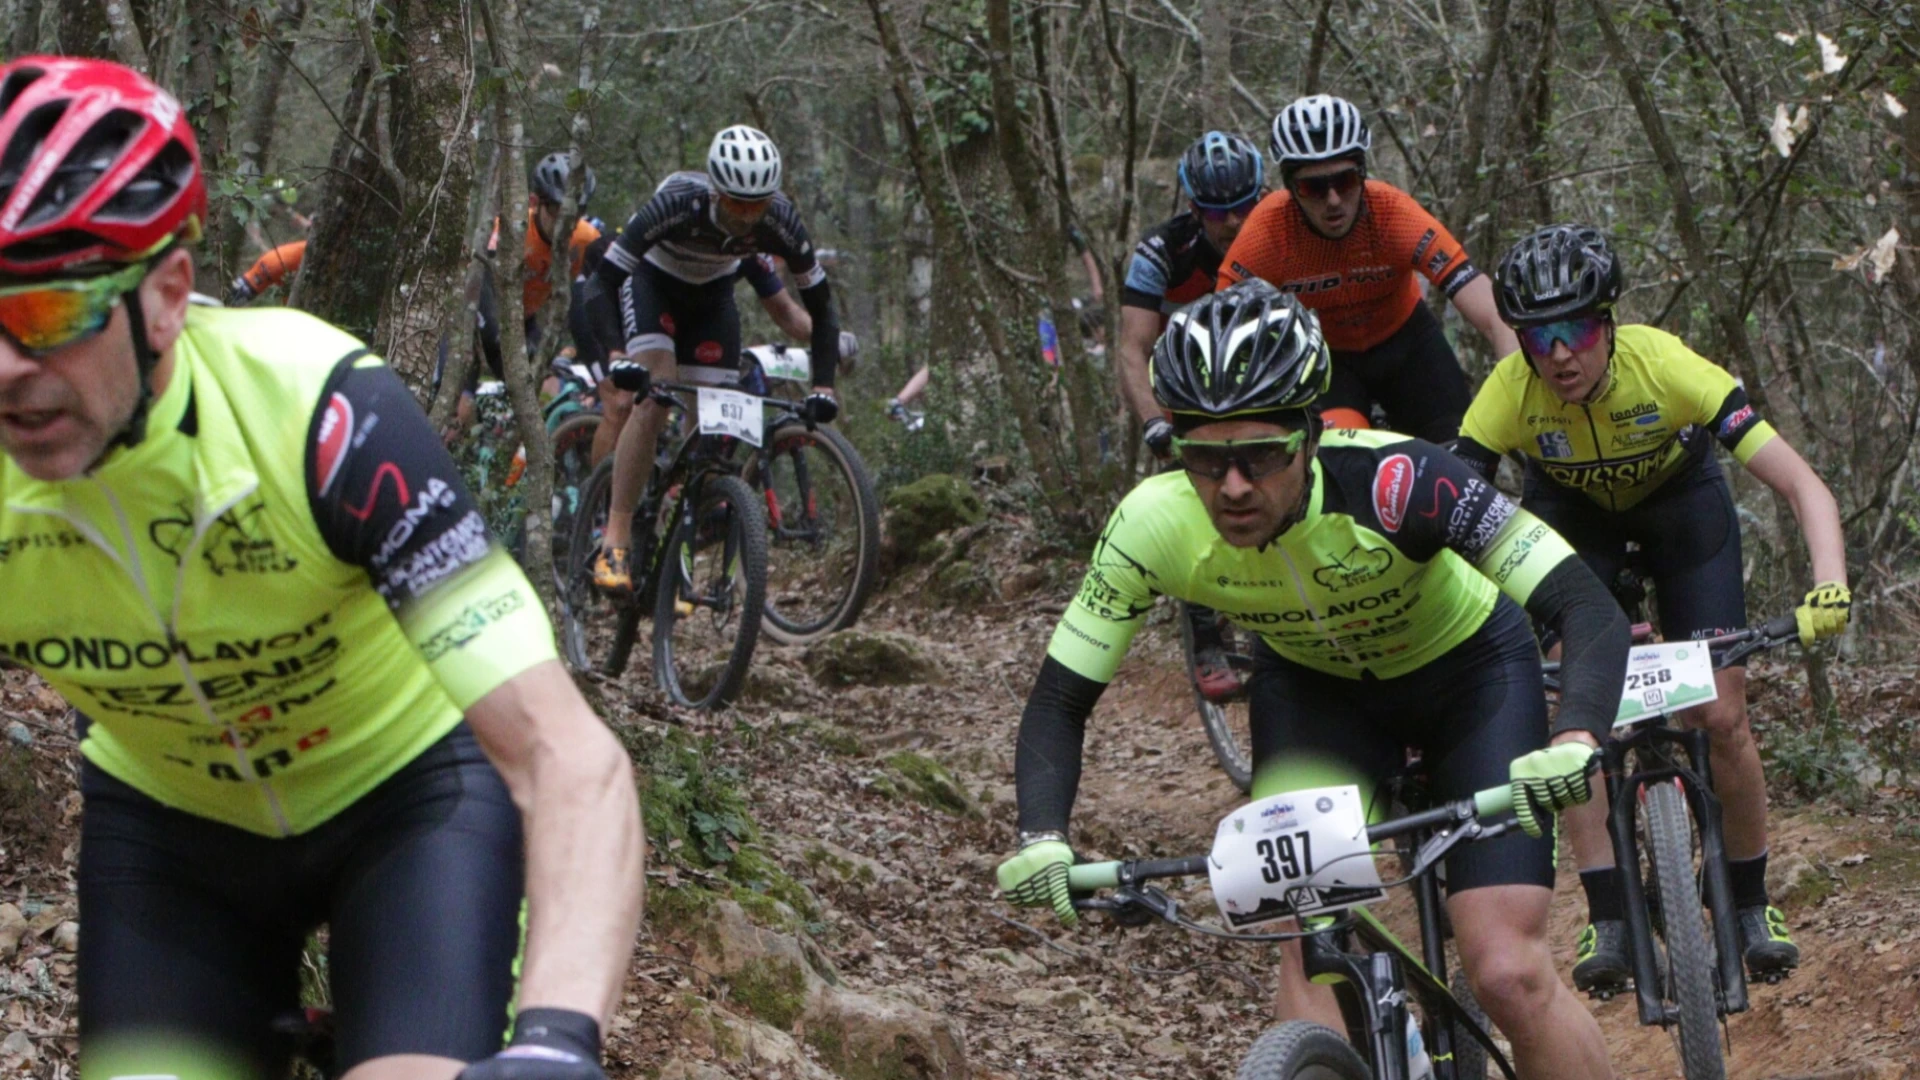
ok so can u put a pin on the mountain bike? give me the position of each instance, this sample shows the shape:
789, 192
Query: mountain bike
1226, 722
1665, 823
1273, 859
699, 556
823, 517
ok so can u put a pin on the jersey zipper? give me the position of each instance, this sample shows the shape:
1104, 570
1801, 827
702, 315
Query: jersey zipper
1599, 456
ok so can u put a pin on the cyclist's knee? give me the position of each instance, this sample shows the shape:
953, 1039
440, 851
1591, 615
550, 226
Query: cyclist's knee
406, 1067
1725, 719
1514, 982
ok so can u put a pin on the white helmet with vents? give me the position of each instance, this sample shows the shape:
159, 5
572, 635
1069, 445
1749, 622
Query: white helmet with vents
1319, 128
744, 163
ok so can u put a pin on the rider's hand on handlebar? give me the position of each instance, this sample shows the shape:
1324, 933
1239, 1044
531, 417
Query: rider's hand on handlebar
1159, 437
629, 376
1824, 613
1548, 781
821, 407
548, 1044
1037, 877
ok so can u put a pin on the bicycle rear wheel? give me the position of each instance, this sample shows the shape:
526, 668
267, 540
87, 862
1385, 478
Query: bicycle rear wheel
1298, 1050
711, 594
572, 468
1226, 722
1688, 973
823, 532
594, 623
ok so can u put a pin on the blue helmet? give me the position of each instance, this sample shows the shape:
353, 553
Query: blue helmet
1221, 170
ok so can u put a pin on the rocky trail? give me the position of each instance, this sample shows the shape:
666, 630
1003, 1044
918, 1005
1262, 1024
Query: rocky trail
821, 895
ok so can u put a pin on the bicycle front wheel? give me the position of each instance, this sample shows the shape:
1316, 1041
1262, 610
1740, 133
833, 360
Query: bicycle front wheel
593, 623
711, 594
823, 532
1227, 723
1298, 1050
1688, 974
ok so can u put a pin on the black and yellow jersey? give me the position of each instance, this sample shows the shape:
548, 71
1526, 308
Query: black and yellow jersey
1400, 556
1653, 418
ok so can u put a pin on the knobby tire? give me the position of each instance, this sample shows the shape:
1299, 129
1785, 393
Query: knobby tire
1689, 970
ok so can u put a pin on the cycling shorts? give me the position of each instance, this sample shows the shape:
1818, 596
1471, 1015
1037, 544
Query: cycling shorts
698, 322
1689, 539
194, 929
1414, 375
1469, 713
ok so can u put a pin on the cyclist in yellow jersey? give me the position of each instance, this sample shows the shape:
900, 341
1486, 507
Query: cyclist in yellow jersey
311, 689
1614, 424
1385, 582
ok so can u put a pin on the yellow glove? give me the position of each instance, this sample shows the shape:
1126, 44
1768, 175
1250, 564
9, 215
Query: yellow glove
1548, 781
1824, 613
1037, 877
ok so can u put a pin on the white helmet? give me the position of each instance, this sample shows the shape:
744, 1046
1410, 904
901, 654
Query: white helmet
744, 163
1318, 128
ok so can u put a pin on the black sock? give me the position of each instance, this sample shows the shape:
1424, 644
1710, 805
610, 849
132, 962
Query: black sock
1749, 880
1604, 899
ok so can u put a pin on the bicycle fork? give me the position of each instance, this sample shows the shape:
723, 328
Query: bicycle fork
1696, 780
1373, 997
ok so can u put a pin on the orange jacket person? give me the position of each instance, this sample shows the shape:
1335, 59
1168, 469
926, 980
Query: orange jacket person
1349, 247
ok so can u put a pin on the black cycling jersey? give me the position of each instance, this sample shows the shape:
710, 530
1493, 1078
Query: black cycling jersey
677, 232
1173, 265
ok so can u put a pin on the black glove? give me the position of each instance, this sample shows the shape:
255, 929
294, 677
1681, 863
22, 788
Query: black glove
1159, 437
548, 1044
628, 375
819, 409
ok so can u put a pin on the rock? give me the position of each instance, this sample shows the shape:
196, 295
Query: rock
682, 1069
922, 510
882, 1037
837, 867
993, 470
66, 936
871, 658
777, 685
1165, 1047
929, 783
19, 1047
13, 926
1024, 579
1018, 961
19, 735
1793, 880
961, 584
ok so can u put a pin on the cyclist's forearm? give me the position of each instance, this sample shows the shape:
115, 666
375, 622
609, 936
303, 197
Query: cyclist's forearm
818, 299
1046, 761
1780, 467
1138, 330
585, 844
1596, 637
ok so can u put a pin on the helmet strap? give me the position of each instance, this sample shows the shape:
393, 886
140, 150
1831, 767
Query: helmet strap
144, 361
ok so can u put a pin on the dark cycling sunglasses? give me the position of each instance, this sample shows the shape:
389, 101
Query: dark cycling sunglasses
1343, 183
1221, 213
1255, 458
1579, 334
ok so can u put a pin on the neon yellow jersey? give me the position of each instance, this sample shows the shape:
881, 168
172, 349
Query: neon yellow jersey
1400, 556
280, 597
1660, 401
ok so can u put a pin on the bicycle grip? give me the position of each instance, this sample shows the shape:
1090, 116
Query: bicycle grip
1086, 877
1782, 626
629, 376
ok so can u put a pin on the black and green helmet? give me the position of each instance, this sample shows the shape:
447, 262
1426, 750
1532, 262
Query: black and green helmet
1245, 350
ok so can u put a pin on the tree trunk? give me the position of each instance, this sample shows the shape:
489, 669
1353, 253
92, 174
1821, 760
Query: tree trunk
1731, 320
254, 139
208, 96
503, 22
81, 29
356, 221
1317, 49
24, 38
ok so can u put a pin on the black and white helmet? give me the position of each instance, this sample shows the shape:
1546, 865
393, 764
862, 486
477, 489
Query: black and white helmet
744, 163
1319, 128
1559, 272
549, 180
1244, 350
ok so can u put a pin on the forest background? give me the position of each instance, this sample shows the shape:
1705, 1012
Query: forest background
1757, 163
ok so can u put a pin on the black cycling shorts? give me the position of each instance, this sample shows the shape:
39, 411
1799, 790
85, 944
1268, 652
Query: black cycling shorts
1469, 713
1689, 539
1414, 375
700, 321
194, 929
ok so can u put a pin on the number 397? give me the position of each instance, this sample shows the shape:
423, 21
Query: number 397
1288, 857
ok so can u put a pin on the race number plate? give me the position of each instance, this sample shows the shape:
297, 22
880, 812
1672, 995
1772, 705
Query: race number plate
1298, 853
1662, 678
782, 362
729, 412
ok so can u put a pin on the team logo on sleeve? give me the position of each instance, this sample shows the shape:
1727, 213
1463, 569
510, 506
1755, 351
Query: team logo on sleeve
330, 446
1392, 488
1735, 420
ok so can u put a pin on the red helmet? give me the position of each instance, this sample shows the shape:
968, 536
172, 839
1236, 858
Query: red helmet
97, 164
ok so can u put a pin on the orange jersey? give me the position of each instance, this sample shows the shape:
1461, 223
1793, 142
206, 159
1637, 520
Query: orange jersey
1361, 285
275, 267
536, 282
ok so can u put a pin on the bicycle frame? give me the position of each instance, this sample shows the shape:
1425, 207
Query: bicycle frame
1653, 740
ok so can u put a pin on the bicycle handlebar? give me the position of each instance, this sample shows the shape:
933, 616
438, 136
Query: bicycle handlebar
1087, 877
1728, 648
